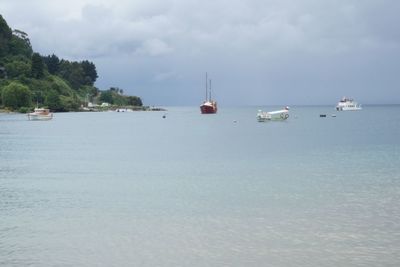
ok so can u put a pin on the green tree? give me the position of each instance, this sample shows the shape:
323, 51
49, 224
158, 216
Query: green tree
16, 95
53, 101
60, 85
5, 36
90, 73
3, 73
135, 101
77, 76
106, 96
36, 85
20, 44
37, 69
38, 97
18, 68
73, 73
53, 64
70, 103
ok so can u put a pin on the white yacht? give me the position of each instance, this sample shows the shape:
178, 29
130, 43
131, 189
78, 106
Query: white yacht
347, 104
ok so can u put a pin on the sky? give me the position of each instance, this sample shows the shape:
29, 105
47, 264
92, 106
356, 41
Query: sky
256, 52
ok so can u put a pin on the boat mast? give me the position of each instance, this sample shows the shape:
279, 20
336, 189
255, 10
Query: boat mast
210, 90
206, 86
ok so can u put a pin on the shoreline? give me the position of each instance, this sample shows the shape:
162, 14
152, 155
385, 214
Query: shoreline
97, 109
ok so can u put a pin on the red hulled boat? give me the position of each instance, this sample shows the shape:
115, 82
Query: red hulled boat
209, 106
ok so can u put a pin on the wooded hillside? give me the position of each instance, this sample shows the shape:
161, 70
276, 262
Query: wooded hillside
28, 79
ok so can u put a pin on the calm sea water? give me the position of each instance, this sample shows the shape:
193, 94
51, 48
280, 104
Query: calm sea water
134, 189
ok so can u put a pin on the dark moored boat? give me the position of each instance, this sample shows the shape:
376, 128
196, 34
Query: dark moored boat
209, 106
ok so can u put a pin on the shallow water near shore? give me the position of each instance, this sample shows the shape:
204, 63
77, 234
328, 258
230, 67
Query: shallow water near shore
137, 189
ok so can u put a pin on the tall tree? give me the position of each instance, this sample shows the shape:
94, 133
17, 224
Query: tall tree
20, 44
76, 77
73, 73
53, 64
90, 72
5, 36
37, 69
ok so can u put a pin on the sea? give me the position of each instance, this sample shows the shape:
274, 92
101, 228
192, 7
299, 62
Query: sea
177, 188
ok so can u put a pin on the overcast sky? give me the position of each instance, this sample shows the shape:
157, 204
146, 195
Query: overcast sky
257, 52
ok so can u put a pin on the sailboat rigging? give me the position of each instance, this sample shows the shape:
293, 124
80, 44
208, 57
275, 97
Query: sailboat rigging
209, 106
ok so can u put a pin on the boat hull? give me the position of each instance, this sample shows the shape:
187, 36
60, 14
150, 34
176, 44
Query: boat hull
339, 108
36, 117
347, 104
263, 116
208, 109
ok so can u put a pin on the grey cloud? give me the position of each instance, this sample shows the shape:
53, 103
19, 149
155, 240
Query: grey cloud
256, 49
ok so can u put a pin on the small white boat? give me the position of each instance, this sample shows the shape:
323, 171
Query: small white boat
347, 104
40, 114
273, 115
124, 110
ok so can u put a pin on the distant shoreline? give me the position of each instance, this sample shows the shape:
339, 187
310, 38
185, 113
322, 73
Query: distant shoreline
121, 109
107, 109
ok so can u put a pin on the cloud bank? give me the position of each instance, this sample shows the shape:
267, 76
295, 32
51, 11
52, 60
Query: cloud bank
257, 51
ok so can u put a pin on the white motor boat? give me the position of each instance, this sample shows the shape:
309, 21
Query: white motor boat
347, 104
40, 114
273, 115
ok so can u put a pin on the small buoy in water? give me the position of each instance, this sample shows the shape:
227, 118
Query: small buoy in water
322, 115
164, 116
235, 121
